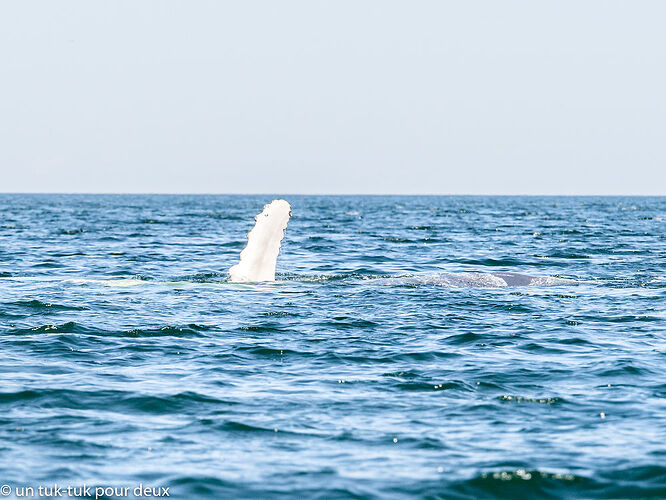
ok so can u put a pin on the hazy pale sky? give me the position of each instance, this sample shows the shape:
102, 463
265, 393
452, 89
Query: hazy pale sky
482, 97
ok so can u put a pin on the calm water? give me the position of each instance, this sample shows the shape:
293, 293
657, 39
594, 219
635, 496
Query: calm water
334, 382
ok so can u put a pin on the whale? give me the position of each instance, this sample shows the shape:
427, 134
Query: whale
258, 260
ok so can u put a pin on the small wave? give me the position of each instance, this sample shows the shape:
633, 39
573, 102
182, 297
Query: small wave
423, 356
233, 426
280, 313
428, 386
507, 262
186, 401
525, 399
76, 328
154, 221
166, 331
346, 322
73, 231
408, 375
522, 483
49, 264
465, 338
232, 244
45, 306
636, 482
271, 352
214, 215
633, 318
567, 255
395, 239
213, 487
69, 327
623, 368
12, 397
266, 328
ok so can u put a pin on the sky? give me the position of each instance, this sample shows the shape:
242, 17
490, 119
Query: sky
395, 97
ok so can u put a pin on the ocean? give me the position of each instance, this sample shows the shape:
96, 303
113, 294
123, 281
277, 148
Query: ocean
129, 360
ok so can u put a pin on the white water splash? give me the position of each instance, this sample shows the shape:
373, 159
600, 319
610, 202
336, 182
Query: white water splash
259, 257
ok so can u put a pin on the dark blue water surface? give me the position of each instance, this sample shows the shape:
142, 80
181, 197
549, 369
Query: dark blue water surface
128, 358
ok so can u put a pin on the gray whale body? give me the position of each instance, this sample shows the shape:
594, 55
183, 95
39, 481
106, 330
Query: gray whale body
479, 280
515, 279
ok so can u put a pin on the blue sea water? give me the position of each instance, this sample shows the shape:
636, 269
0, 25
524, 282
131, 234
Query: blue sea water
127, 357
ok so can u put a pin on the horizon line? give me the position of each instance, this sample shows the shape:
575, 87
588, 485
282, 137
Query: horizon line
174, 193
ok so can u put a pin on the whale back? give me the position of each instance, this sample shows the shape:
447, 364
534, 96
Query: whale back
259, 257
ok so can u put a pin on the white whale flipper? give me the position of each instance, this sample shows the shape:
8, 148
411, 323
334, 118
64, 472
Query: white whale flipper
258, 258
